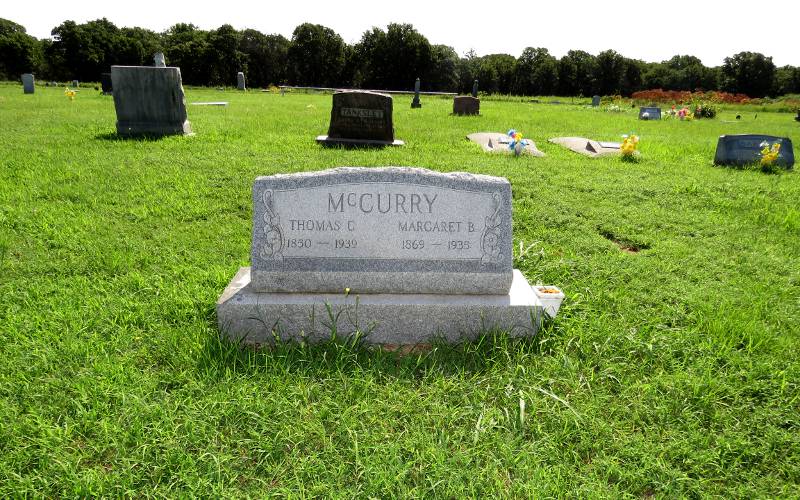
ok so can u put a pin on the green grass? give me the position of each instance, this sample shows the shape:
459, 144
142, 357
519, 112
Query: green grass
672, 371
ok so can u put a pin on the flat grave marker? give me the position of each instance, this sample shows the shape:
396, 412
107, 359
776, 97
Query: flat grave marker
745, 149
649, 113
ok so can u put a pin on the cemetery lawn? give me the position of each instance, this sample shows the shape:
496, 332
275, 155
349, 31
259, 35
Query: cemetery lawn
672, 369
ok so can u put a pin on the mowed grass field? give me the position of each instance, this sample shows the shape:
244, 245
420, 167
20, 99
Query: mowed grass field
671, 370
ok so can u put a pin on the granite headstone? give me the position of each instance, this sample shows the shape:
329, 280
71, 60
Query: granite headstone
415, 102
105, 83
360, 118
466, 105
240, 84
406, 255
595, 101
149, 101
28, 83
745, 149
649, 113
588, 147
475, 88
158, 60
76, 84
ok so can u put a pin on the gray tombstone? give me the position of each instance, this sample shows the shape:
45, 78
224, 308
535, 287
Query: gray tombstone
159, 61
745, 149
105, 83
402, 255
28, 83
149, 101
649, 113
240, 85
415, 103
475, 88
466, 105
361, 118
76, 84
595, 101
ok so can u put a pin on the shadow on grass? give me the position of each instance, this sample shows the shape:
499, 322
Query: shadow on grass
113, 136
351, 356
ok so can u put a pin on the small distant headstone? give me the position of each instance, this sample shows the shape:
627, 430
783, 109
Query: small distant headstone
415, 103
27, 83
159, 61
105, 83
466, 105
649, 113
361, 118
745, 149
149, 101
797, 118
475, 88
76, 84
403, 255
595, 101
240, 81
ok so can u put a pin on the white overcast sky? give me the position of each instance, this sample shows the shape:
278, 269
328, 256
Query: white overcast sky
643, 29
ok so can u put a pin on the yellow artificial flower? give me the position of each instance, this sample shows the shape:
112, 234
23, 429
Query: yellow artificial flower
70, 93
628, 146
769, 155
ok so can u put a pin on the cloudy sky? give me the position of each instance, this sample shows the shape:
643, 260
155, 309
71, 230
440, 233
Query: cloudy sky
644, 29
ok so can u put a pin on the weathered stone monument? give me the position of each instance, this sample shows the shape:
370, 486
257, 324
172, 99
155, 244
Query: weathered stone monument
105, 83
240, 84
475, 88
159, 61
466, 105
28, 83
745, 149
649, 113
149, 101
402, 255
415, 102
588, 147
361, 118
595, 101
76, 84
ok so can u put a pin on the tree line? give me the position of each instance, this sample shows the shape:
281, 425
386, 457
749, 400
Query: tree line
388, 59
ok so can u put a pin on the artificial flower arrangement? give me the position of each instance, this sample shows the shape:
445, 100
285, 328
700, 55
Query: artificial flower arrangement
70, 93
683, 114
769, 154
628, 146
517, 143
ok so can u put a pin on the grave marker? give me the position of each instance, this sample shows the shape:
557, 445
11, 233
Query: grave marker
158, 60
745, 149
28, 83
360, 118
149, 101
405, 254
649, 113
464, 105
105, 83
415, 102
240, 84
595, 101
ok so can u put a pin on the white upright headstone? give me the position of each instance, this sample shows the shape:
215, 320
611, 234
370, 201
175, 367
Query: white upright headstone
158, 60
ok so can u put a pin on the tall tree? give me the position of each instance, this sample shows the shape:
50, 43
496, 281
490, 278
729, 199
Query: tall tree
748, 73
576, 73
18, 51
609, 72
536, 72
223, 56
266, 57
316, 56
442, 75
394, 58
186, 47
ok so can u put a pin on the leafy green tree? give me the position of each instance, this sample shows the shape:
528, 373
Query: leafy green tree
186, 46
18, 51
223, 57
535, 72
496, 73
609, 72
136, 46
748, 73
266, 57
83, 51
442, 74
394, 58
576, 73
316, 56
467, 69
787, 81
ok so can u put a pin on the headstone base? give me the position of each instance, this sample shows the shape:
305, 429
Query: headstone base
136, 129
415, 104
496, 142
588, 147
331, 141
254, 318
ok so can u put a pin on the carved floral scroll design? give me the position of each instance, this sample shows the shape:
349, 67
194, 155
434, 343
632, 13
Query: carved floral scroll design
273, 233
490, 239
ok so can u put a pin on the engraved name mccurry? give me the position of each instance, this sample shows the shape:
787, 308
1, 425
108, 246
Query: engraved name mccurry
406, 203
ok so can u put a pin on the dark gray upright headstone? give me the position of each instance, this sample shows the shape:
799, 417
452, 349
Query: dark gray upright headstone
361, 118
149, 101
27, 83
415, 103
76, 83
595, 101
475, 88
240, 85
466, 105
105, 83
159, 61
649, 113
745, 149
